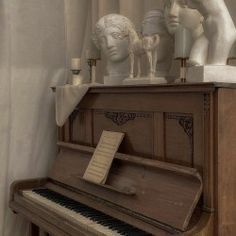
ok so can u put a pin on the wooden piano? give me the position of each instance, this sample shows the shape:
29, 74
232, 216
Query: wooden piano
174, 173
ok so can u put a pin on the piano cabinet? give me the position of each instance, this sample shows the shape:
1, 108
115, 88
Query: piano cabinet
188, 125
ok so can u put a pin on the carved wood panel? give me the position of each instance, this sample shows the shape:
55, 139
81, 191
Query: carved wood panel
135, 125
81, 127
179, 138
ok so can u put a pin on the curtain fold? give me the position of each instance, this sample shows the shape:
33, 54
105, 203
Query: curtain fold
32, 59
107, 6
127, 9
5, 110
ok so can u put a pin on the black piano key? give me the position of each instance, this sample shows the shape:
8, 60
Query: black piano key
99, 217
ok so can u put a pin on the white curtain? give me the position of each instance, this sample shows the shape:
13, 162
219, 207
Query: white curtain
37, 41
32, 58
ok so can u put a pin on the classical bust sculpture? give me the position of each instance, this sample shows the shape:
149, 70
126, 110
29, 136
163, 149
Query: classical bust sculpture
113, 35
218, 27
177, 13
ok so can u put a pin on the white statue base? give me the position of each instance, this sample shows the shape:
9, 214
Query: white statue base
212, 73
144, 80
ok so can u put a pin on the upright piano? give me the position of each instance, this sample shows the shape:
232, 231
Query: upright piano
174, 173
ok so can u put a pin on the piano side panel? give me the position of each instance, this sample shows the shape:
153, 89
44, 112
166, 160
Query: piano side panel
179, 138
226, 155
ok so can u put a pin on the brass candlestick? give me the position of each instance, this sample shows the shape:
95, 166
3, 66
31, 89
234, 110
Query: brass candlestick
183, 45
183, 68
92, 69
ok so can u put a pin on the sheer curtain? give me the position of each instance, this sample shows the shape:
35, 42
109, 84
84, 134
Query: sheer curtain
32, 58
37, 41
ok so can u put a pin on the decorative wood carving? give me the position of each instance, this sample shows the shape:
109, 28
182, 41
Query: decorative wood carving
121, 117
206, 103
186, 122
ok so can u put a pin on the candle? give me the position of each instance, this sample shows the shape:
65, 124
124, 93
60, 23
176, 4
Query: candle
75, 64
183, 42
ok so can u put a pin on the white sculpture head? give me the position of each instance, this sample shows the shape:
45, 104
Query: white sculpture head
177, 12
112, 35
154, 23
172, 13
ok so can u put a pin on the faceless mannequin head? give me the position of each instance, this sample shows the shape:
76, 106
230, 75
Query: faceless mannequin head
154, 23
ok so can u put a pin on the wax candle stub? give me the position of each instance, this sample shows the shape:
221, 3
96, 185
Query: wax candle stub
75, 64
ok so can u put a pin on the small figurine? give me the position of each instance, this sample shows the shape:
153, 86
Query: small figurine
136, 52
150, 45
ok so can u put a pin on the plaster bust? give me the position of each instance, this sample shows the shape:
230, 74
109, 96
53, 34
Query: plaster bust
153, 27
112, 35
177, 13
218, 27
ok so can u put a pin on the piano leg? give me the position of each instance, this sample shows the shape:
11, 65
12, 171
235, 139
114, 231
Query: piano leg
34, 230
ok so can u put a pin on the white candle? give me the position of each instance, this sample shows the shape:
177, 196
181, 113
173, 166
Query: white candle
75, 64
183, 42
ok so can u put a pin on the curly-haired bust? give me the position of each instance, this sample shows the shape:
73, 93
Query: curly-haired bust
113, 34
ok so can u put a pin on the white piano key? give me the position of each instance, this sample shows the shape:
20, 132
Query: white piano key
70, 215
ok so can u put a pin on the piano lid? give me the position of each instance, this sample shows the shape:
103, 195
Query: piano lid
157, 192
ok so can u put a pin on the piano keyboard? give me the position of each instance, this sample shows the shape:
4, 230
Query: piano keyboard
88, 218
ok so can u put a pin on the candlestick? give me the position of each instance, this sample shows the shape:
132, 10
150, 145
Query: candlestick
76, 77
92, 55
92, 69
183, 45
